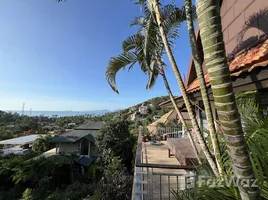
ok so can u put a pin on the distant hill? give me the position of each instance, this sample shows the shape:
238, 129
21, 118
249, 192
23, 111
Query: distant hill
153, 111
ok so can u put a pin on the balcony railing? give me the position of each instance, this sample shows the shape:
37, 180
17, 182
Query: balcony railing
157, 181
172, 132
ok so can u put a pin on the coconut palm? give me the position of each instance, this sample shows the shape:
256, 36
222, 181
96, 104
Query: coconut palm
200, 76
209, 21
155, 10
147, 49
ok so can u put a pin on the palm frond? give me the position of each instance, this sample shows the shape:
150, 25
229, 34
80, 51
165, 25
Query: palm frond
146, 39
117, 63
153, 74
140, 20
130, 43
174, 17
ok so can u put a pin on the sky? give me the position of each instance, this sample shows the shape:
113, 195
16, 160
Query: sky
53, 56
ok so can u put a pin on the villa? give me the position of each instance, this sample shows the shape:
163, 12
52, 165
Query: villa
80, 141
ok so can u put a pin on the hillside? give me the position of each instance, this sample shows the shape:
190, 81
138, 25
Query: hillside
153, 110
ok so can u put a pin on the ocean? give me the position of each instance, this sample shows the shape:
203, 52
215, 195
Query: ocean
59, 113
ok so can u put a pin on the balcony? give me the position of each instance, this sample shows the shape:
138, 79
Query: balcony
158, 172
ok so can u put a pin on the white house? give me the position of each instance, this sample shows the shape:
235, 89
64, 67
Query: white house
156, 117
143, 109
135, 116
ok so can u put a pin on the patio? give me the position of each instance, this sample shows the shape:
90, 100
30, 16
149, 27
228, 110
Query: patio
160, 180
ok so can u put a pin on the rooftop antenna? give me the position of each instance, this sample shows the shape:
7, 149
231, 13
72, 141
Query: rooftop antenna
30, 112
23, 105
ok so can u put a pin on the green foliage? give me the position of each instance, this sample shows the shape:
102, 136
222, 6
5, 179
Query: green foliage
146, 47
27, 194
5, 133
42, 144
116, 181
116, 136
17, 173
32, 171
75, 191
255, 127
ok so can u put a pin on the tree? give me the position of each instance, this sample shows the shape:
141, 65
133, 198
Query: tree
116, 183
209, 21
201, 78
42, 144
5, 133
155, 9
116, 136
146, 48
255, 127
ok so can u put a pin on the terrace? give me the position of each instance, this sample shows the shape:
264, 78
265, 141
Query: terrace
157, 173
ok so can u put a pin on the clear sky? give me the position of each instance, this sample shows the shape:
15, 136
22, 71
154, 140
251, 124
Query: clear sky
53, 55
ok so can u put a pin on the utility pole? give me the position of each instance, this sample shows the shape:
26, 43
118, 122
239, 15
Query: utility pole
23, 105
30, 112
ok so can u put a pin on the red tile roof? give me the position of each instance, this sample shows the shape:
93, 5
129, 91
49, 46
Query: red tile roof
244, 62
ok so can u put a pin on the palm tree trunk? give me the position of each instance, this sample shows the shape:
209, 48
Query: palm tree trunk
162, 72
183, 91
209, 21
200, 76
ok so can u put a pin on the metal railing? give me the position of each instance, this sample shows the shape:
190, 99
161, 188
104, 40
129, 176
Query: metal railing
163, 184
155, 181
172, 132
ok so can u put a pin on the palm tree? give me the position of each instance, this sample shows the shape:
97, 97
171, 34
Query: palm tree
255, 127
155, 9
209, 21
200, 76
148, 51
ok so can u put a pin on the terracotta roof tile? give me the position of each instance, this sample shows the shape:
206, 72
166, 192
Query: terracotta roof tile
244, 62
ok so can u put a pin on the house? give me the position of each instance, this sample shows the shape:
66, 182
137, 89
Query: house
71, 125
156, 128
27, 132
80, 141
245, 33
135, 116
143, 109
19, 145
156, 117
163, 120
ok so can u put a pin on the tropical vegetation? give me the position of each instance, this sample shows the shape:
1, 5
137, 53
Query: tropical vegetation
146, 48
33, 177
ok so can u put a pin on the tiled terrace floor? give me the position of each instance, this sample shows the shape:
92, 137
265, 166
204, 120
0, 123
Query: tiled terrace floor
153, 154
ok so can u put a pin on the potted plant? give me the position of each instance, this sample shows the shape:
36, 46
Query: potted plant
148, 137
144, 138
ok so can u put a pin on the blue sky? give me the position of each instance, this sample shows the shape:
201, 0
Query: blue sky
53, 56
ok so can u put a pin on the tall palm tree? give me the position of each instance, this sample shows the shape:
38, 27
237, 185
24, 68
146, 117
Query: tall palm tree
155, 9
255, 126
209, 21
148, 51
200, 76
